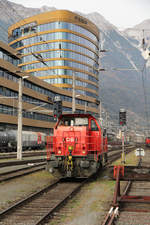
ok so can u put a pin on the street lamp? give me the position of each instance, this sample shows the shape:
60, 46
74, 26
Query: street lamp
73, 92
19, 133
74, 103
74, 95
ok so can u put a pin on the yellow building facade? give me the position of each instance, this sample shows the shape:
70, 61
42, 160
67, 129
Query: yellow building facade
57, 46
37, 96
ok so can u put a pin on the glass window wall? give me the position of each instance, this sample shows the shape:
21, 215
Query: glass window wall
67, 63
64, 72
59, 46
59, 54
55, 36
9, 58
37, 88
82, 92
29, 29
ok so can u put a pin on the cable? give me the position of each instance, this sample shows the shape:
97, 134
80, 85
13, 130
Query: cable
145, 95
144, 47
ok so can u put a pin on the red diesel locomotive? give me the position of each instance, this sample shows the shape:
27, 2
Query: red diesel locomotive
78, 147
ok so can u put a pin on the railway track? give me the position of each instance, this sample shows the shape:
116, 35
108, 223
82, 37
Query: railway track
132, 207
24, 154
39, 207
13, 155
39, 165
114, 156
22, 162
137, 212
5, 176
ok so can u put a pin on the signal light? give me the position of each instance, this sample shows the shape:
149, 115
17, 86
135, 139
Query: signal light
122, 117
57, 107
55, 117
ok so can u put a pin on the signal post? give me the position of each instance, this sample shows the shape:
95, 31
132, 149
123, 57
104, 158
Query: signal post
122, 123
57, 107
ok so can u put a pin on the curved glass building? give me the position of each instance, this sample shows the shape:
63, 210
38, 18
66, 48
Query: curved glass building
57, 46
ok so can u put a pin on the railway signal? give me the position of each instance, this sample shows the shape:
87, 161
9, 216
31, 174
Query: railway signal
122, 122
57, 107
122, 117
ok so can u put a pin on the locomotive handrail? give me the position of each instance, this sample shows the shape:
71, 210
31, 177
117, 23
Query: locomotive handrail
77, 149
89, 143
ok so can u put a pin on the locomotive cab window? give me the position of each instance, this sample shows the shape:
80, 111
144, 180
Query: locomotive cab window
73, 122
94, 126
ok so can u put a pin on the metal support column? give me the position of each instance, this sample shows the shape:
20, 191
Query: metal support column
19, 133
73, 93
123, 149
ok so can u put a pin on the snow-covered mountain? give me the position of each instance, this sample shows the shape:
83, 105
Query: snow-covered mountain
139, 32
121, 85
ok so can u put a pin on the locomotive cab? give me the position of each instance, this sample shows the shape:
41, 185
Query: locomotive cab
77, 147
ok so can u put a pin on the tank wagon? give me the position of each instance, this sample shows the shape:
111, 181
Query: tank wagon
78, 147
30, 140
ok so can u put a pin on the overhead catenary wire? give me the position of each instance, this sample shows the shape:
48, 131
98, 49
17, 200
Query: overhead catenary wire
145, 95
42, 60
39, 57
144, 70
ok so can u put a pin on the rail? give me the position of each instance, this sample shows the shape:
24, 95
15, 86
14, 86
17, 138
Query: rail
46, 201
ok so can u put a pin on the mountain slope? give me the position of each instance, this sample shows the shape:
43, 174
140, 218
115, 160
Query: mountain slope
12, 13
118, 87
139, 31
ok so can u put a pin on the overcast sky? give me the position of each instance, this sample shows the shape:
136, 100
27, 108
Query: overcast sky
121, 13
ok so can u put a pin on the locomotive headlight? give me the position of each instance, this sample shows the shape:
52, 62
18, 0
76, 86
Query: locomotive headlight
70, 157
83, 149
59, 152
70, 148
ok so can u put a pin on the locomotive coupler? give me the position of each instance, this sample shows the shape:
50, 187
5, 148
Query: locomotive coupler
69, 162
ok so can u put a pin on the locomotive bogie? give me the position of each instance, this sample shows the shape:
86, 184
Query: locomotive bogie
81, 167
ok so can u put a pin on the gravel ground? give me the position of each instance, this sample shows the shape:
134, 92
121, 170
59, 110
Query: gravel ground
88, 207
17, 189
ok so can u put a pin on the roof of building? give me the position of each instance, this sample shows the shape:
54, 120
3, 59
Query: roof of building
10, 51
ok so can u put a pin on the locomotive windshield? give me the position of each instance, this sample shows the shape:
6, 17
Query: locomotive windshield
74, 121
